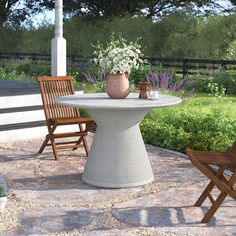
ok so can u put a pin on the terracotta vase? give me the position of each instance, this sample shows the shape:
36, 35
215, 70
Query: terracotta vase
117, 85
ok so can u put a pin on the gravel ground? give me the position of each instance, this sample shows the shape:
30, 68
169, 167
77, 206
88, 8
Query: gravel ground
48, 197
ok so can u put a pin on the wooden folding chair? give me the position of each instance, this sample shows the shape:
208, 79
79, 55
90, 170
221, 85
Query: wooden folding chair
56, 115
204, 161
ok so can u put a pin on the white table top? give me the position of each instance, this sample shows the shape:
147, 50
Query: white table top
102, 101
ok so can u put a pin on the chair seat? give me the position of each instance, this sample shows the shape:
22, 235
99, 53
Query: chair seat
70, 120
225, 183
217, 158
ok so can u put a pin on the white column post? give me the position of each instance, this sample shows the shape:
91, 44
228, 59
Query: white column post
58, 44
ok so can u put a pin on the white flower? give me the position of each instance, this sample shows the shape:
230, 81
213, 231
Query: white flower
118, 56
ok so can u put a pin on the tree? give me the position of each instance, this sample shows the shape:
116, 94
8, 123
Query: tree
10, 11
224, 7
111, 8
16, 11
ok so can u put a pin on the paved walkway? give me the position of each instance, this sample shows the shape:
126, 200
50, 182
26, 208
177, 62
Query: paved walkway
48, 198
14, 87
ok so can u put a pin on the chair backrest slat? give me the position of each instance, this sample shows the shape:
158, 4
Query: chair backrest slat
57, 91
53, 87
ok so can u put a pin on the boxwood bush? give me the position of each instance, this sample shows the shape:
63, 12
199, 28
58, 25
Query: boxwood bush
193, 124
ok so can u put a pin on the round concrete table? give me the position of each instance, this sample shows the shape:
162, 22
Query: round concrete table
118, 157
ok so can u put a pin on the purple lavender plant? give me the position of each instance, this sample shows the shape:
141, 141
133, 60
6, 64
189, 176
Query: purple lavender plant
163, 81
89, 78
153, 78
178, 85
93, 79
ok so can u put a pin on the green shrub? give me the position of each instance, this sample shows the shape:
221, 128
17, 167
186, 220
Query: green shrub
227, 81
37, 69
222, 80
138, 74
2, 192
231, 51
189, 125
200, 83
216, 90
11, 75
24, 72
24, 68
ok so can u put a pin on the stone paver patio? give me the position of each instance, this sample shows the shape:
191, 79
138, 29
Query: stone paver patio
48, 198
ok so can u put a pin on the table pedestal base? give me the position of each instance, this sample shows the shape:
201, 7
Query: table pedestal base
118, 157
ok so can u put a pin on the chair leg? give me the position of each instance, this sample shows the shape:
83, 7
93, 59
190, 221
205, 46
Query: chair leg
50, 133
217, 203
203, 196
44, 144
214, 208
77, 143
53, 143
84, 140
54, 148
209, 187
86, 147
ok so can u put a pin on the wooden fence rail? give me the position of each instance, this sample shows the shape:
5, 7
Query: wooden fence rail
183, 66
191, 66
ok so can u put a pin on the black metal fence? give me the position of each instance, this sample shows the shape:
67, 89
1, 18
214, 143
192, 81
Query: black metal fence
183, 66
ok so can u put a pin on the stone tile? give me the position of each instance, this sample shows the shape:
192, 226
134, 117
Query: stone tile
56, 220
169, 168
180, 170
172, 210
66, 192
23, 175
14, 156
109, 232
63, 180
61, 168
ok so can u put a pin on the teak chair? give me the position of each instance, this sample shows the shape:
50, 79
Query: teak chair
56, 115
204, 161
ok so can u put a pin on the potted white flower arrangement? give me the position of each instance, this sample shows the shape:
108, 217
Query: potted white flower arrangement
3, 199
117, 58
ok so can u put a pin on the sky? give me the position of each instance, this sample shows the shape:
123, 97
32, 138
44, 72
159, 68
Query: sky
47, 15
